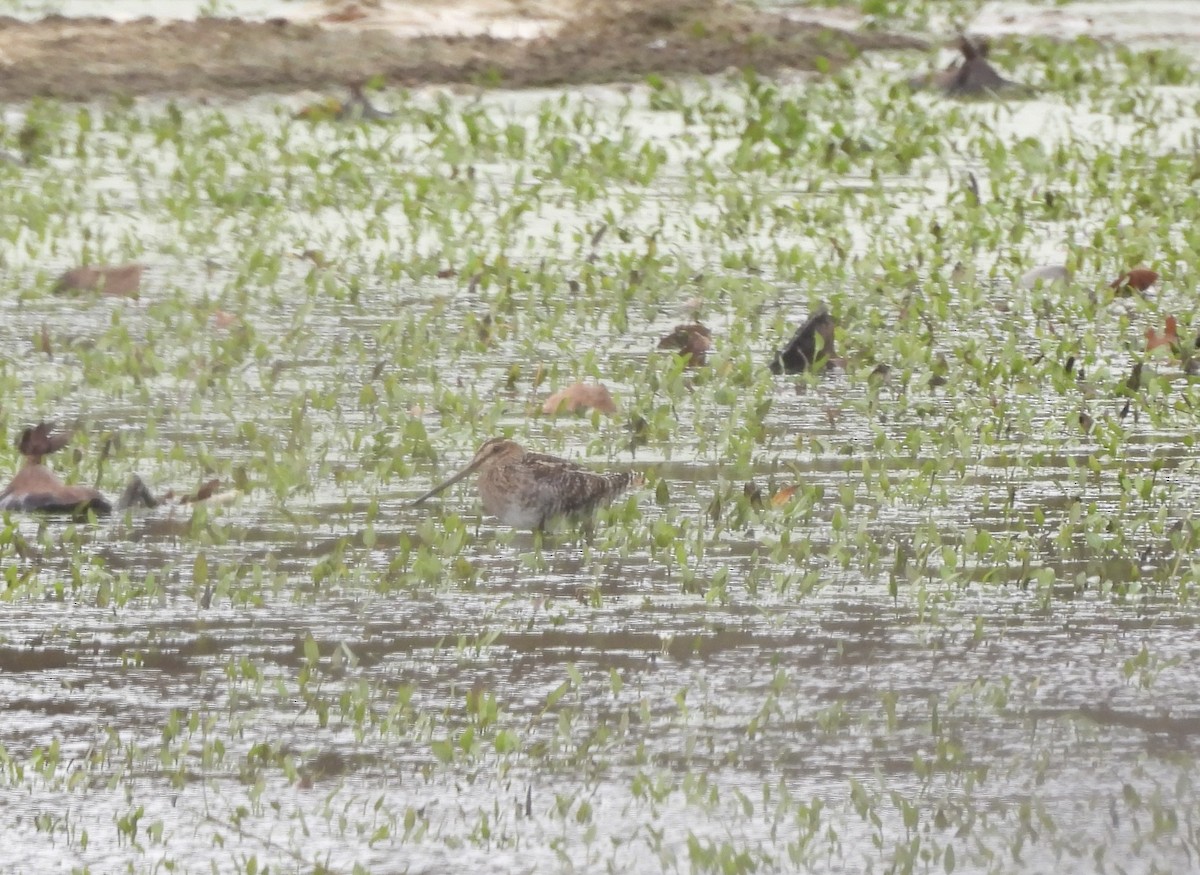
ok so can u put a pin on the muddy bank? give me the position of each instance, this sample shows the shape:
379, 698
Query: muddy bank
81, 59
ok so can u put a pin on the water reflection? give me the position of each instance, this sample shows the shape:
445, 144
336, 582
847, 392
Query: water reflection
321, 676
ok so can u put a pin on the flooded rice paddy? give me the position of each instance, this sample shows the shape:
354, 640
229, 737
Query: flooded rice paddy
965, 642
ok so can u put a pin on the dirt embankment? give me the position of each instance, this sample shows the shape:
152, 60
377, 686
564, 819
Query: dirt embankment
81, 59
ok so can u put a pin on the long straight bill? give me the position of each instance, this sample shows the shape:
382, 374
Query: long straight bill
440, 487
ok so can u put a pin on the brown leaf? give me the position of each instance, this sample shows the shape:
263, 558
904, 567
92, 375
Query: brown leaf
1169, 337
580, 396
224, 320
1139, 279
783, 496
120, 281
205, 492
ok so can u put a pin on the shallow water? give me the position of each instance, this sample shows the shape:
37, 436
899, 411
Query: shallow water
969, 633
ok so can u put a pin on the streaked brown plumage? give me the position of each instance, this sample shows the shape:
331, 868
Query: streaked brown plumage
37, 488
526, 490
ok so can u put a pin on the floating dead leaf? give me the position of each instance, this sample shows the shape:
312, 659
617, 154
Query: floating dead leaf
580, 396
204, 493
1168, 338
783, 496
692, 340
1137, 280
221, 319
118, 281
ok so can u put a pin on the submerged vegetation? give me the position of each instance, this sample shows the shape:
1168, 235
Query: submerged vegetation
927, 609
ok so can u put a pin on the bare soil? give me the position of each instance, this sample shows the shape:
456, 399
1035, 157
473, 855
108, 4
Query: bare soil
82, 59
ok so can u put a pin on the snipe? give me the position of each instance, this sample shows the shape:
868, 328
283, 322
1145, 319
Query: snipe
526, 490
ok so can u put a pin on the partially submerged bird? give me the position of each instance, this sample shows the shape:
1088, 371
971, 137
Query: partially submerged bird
526, 490
692, 340
811, 347
37, 488
973, 75
360, 108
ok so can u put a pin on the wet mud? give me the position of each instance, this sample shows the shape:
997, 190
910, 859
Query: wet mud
84, 59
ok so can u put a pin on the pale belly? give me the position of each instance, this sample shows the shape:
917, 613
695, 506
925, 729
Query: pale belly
511, 512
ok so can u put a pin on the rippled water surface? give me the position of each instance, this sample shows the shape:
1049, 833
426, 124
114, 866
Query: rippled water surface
965, 643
